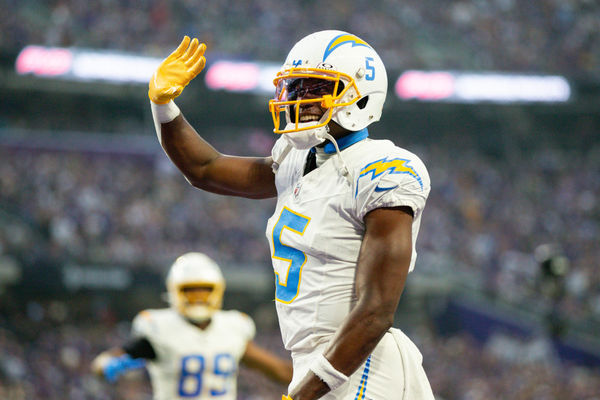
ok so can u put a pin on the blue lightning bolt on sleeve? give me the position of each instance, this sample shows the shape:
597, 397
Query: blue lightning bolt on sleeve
395, 178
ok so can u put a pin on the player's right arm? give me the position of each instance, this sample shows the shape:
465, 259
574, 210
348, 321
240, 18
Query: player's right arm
202, 165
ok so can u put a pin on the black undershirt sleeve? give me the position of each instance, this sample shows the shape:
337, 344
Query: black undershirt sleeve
311, 162
140, 348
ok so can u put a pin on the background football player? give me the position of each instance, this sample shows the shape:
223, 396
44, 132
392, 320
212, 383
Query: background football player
348, 212
192, 349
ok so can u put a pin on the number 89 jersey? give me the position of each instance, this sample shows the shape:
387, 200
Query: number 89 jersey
192, 363
317, 229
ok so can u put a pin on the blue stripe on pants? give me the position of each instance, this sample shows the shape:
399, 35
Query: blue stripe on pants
362, 388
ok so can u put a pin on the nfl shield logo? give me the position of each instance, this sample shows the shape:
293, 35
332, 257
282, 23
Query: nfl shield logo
297, 189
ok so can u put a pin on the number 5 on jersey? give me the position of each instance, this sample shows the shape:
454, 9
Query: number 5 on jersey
286, 292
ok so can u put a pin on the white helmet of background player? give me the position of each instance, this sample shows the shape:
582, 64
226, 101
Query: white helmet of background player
195, 286
352, 90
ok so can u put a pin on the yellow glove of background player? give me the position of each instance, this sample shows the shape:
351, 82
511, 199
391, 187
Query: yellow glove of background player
176, 71
285, 397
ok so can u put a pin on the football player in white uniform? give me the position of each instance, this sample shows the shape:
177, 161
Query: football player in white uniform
349, 208
192, 349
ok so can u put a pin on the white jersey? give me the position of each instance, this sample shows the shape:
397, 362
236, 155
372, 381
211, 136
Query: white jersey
192, 363
317, 229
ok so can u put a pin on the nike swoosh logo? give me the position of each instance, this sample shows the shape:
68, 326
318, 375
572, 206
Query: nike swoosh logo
383, 189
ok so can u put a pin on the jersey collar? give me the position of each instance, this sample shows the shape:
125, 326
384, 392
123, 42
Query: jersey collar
345, 141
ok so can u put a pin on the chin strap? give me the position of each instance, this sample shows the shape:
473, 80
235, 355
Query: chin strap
324, 133
317, 136
282, 155
345, 171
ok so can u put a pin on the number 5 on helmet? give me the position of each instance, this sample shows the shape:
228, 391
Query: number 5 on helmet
176, 71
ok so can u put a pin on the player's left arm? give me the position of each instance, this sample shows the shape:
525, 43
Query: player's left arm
116, 361
268, 363
383, 265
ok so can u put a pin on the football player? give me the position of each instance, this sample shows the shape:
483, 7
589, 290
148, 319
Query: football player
343, 233
192, 349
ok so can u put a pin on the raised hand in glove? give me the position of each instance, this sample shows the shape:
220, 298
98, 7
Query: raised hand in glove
176, 71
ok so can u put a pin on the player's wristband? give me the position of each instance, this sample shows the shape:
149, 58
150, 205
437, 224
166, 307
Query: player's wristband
163, 113
119, 365
324, 370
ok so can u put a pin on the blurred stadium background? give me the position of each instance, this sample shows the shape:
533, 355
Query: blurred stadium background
500, 98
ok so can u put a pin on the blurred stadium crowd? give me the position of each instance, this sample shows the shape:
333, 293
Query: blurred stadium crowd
484, 219
486, 215
136, 211
46, 355
549, 36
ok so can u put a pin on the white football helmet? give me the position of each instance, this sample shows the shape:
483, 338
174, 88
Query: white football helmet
351, 70
195, 286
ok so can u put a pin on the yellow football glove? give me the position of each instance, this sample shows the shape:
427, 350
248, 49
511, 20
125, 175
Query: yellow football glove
285, 397
176, 71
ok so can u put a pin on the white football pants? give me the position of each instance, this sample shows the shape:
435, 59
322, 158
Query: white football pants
393, 371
